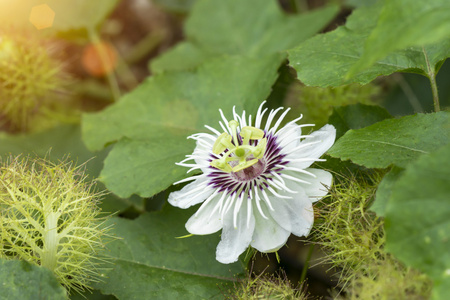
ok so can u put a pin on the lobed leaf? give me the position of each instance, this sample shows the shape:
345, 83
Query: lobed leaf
218, 27
326, 59
151, 262
417, 218
406, 23
356, 116
384, 191
22, 280
394, 141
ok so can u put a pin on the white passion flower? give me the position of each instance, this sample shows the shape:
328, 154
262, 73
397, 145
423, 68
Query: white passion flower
257, 184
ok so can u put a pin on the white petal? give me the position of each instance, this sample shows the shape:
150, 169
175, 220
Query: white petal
269, 236
193, 193
295, 215
201, 153
318, 185
326, 135
289, 137
235, 240
204, 222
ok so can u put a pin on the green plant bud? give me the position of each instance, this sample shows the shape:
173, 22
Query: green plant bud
275, 287
50, 217
353, 239
29, 76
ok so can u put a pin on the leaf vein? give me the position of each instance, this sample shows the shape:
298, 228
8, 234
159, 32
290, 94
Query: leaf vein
392, 144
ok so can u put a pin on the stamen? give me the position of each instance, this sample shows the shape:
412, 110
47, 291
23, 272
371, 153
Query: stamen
222, 143
233, 124
244, 154
244, 165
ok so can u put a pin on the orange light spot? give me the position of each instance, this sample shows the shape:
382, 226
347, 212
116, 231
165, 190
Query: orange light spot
42, 16
99, 59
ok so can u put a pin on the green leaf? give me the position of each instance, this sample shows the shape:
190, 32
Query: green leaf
417, 218
384, 191
150, 260
55, 144
406, 23
394, 141
348, 117
151, 124
326, 59
356, 116
184, 56
91, 295
145, 167
22, 280
218, 27
69, 14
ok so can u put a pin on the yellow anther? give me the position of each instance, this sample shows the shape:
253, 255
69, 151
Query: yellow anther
234, 125
255, 133
242, 154
222, 143
244, 165
221, 165
260, 148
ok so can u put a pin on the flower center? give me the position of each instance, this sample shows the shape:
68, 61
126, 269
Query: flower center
250, 172
237, 153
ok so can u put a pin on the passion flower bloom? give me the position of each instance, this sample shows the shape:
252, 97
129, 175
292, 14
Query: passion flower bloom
256, 182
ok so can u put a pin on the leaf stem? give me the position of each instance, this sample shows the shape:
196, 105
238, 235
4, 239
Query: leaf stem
409, 93
306, 266
432, 77
95, 39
